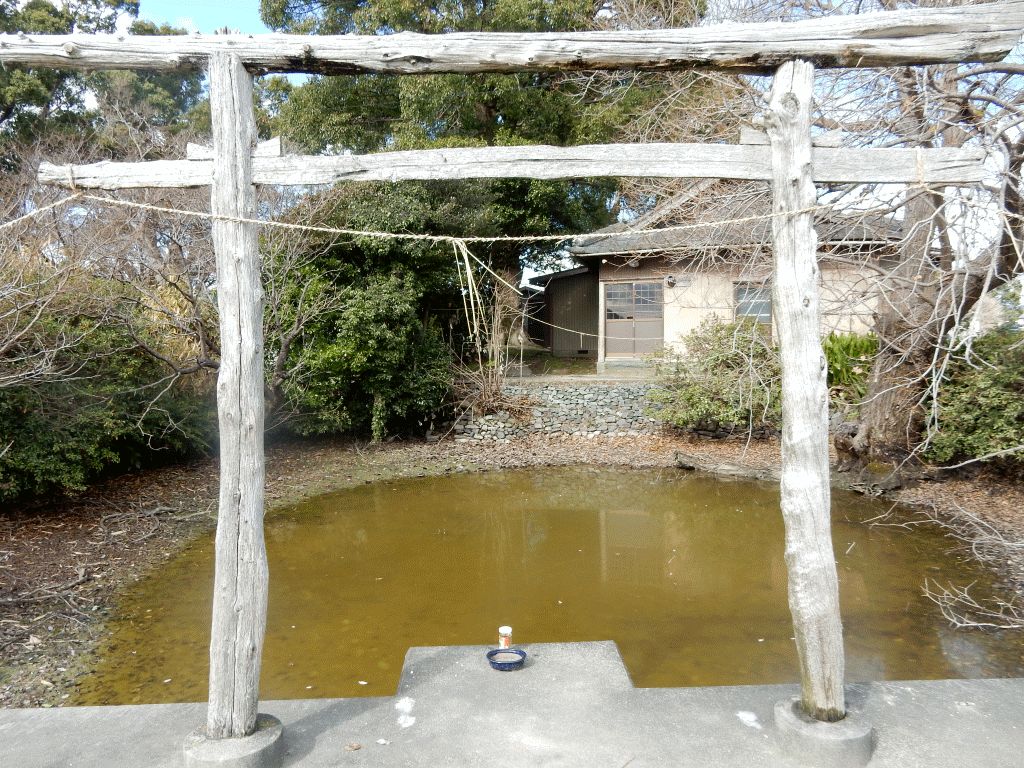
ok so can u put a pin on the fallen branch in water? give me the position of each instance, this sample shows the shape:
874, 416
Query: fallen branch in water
961, 609
988, 544
986, 541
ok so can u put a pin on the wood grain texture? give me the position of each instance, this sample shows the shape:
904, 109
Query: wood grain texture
713, 161
805, 491
241, 580
984, 32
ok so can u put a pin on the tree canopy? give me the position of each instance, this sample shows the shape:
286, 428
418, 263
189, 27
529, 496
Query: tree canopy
372, 113
30, 96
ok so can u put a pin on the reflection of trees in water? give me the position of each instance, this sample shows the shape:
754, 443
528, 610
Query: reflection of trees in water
511, 538
890, 626
461, 555
494, 554
633, 544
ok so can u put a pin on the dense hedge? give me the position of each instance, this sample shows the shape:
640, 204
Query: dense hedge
371, 368
59, 434
981, 402
728, 379
108, 397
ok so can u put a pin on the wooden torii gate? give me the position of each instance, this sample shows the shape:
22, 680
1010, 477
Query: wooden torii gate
790, 50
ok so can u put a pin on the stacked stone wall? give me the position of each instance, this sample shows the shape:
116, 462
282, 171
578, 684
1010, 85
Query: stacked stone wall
578, 409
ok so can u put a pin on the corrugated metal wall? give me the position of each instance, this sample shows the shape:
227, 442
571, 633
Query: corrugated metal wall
573, 303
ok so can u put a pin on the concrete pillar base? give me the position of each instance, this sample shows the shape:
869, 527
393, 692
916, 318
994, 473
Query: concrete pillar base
846, 744
263, 749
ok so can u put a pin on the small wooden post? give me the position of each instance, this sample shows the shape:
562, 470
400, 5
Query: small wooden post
240, 585
806, 495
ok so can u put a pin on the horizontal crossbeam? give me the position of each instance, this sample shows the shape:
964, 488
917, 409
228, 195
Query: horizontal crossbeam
984, 32
719, 161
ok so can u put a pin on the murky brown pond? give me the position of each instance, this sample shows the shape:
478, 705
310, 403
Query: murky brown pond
685, 573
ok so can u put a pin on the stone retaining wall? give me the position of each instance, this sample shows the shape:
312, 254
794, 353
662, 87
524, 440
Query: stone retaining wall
577, 408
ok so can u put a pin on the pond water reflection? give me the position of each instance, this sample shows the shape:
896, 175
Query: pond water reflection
685, 573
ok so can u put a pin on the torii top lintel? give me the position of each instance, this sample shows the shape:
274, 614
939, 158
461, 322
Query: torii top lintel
983, 32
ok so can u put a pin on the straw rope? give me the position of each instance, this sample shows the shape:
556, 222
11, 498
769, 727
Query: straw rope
410, 236
38, 212
459, 243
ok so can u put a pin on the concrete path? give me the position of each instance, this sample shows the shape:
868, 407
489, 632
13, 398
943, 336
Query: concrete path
573, 705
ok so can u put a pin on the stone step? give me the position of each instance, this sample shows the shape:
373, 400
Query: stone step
572, 706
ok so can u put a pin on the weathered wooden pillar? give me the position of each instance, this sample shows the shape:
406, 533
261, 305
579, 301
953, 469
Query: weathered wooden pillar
806, 497
240, 587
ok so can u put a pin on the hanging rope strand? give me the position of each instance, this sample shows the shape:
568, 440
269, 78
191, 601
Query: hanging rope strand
463, 290
585, 237
38, 212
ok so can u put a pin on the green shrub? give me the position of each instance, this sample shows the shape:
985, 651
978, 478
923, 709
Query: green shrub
116, 410
981, 402
727, 379
849, 357
374, 367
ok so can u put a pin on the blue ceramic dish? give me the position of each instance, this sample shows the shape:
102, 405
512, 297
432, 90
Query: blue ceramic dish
506, 659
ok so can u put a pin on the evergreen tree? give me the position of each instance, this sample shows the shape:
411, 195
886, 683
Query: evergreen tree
373, 113
29, 97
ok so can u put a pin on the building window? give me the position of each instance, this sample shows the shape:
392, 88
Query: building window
754, 302
633, 301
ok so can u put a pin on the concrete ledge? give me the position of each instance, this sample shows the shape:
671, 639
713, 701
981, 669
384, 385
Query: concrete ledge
263, 749
846, 744
572, 705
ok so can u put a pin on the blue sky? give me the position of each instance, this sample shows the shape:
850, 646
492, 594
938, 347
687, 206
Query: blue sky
205, 15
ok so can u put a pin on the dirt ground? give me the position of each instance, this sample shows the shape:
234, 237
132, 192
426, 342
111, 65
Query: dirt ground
63, 563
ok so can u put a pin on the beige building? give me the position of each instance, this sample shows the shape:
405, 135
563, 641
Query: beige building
641, 289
